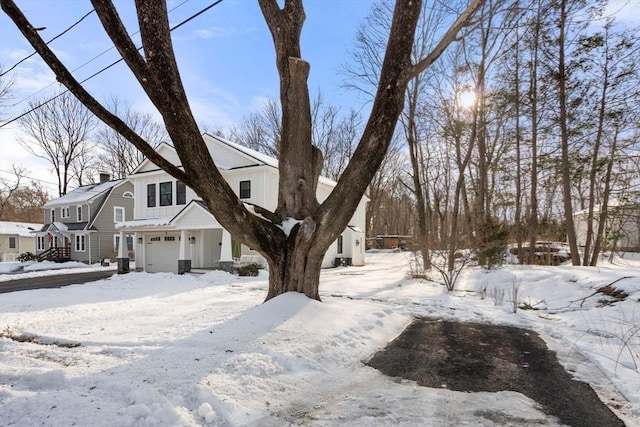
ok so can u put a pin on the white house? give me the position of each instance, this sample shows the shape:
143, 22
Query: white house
622, 228
173, 231
16, 238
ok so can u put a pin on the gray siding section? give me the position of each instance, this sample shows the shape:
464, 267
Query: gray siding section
104, 220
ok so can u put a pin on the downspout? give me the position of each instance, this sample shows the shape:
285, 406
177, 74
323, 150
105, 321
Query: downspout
88, 222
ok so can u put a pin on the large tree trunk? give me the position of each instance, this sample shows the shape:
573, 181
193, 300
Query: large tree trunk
297, 269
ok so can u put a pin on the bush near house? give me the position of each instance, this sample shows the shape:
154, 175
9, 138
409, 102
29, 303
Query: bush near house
27, 256
249, 270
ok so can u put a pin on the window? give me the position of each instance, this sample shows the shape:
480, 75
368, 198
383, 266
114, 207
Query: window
40, 243
79, 213
339, 244
166, 196
181, 193
127, 195
12, 242
118, 214
169, 238
64, 212
245, 189
116, 242
53, 215
155, 239
151, 196
55, 241
80, 243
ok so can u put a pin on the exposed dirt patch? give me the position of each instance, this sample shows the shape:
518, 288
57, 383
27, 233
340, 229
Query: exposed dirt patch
478, 357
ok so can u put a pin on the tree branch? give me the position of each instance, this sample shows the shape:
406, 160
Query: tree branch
66, 78
448, 38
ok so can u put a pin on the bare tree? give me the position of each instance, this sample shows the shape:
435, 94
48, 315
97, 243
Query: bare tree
58, 132
118, 156
334, 135
25, 204
342, 145
261, 130
295, 257
381, 208
8, 186
6, 86
361, 74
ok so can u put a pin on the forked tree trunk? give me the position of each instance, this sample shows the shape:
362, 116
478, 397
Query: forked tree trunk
297, 269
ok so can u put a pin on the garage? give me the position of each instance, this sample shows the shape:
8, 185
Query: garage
161, 253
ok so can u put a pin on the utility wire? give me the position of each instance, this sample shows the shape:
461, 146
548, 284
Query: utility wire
197, 14
30, 177
59, 35
105, 68
81, 65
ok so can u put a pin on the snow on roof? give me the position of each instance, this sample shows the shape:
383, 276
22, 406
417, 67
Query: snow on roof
151, 222
263, 158
83, 194
22, 229
267, 160
61, 226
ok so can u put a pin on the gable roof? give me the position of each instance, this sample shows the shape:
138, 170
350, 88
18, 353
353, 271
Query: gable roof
193, 208
22, 229
225, 154
82, 194
66, 226
248, 153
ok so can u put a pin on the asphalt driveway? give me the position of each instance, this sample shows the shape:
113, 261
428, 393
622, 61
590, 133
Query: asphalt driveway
54, 281
478, 357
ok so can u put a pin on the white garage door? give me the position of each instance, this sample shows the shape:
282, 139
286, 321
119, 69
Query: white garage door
162, 253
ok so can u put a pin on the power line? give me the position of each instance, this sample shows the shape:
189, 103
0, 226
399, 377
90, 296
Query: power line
108, 66
197, 14
30, 177
59, 35
85, 63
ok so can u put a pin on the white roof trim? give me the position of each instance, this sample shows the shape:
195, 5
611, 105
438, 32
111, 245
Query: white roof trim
146, 223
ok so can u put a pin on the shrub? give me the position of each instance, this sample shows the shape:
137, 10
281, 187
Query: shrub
492, 243
27, 256
249, 270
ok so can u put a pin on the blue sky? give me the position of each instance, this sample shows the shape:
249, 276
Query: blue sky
226, 58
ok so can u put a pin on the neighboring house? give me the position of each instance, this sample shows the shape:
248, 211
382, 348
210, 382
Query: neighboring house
174, 231
622, 230
80, 225
17, 238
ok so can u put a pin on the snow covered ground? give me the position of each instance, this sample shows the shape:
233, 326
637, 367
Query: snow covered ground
168, 350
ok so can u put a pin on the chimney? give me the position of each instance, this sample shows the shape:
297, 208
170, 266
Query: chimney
104, 177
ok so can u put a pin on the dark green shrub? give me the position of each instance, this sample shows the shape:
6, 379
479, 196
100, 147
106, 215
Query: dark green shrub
27, 256
249, 270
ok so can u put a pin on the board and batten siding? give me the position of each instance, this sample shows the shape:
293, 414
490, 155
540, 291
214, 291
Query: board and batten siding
142, 180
